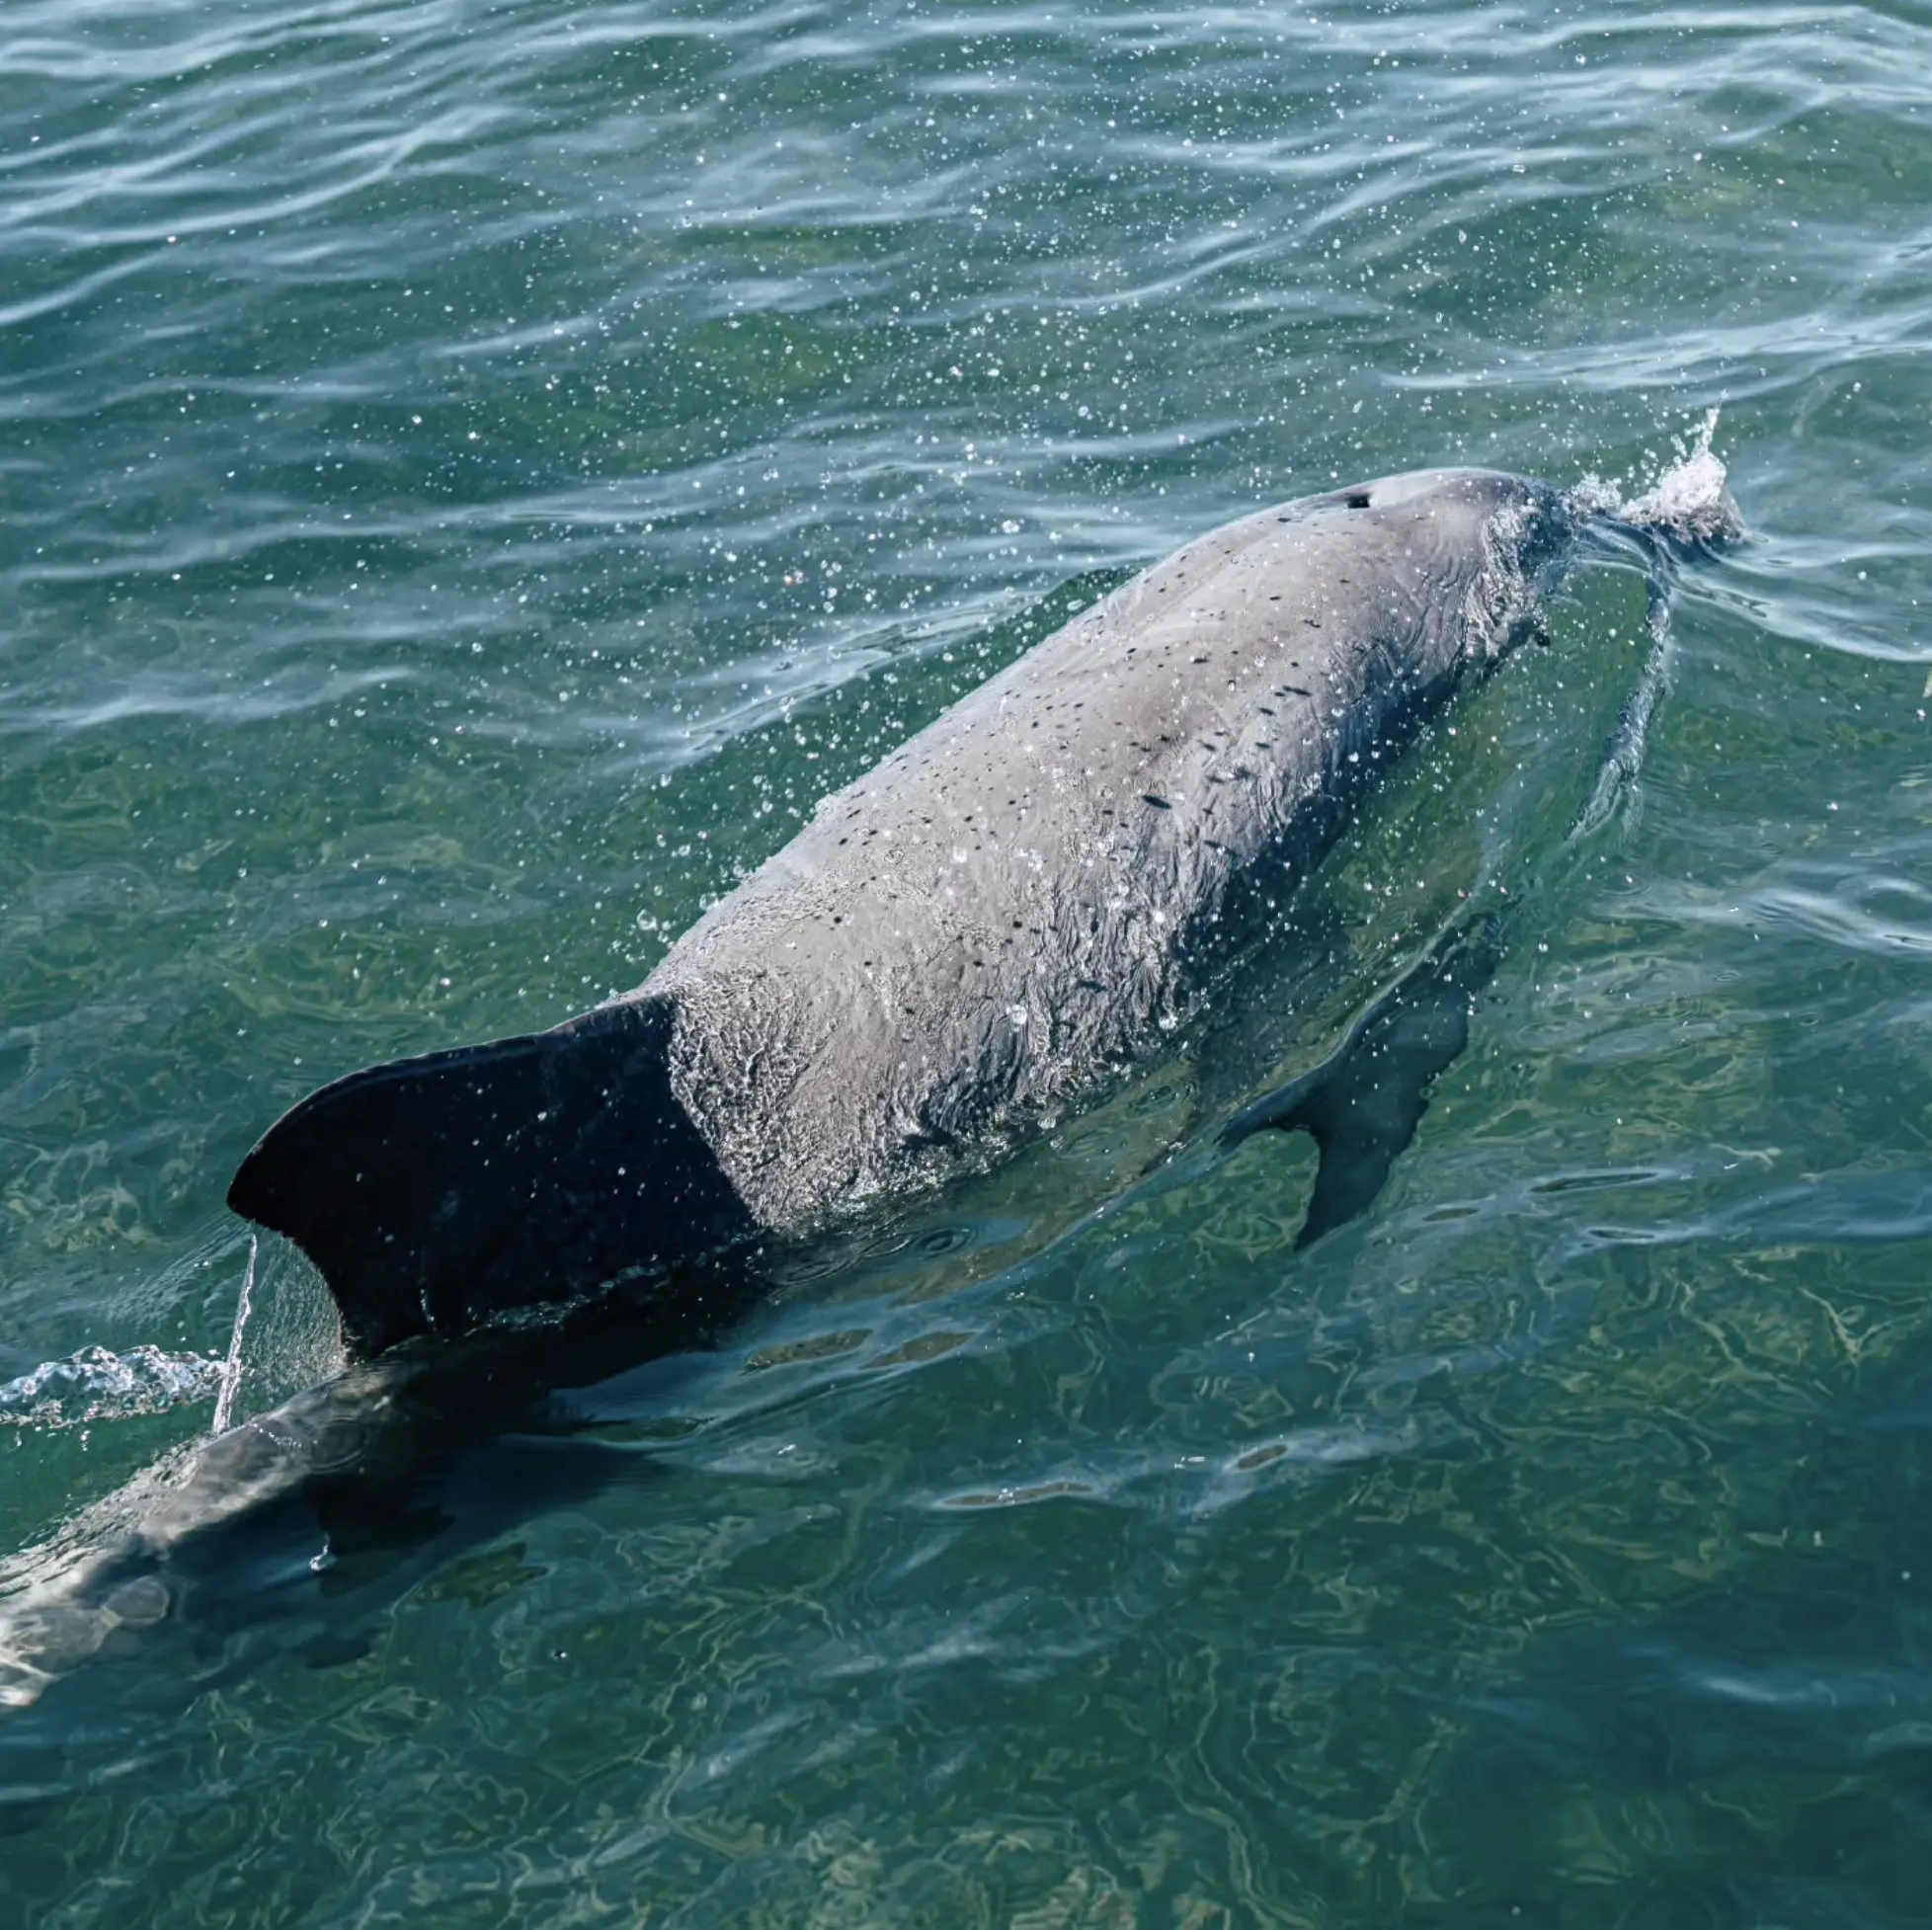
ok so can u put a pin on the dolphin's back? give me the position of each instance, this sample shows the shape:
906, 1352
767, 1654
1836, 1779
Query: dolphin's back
955, 945
965, 936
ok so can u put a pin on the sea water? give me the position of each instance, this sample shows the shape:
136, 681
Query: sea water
475, 473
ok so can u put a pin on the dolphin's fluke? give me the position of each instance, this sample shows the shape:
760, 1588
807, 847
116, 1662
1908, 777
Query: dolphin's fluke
433, 1192
1363, 1104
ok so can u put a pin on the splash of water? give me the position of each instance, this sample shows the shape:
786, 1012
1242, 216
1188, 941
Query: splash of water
1690, 501
1619, 774
231, 1368
96, 1384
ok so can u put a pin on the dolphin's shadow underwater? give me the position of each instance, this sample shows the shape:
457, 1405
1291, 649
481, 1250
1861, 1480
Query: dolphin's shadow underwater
963, 947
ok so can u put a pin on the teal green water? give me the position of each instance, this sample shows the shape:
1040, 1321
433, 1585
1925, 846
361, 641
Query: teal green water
474, 474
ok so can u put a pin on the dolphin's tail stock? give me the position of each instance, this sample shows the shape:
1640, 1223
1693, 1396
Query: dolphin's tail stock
436, 1193
1363, 1104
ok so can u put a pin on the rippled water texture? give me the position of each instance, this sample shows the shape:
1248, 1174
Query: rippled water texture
474, 474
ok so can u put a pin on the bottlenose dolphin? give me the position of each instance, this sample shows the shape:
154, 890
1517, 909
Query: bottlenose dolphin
957, 946
961, 946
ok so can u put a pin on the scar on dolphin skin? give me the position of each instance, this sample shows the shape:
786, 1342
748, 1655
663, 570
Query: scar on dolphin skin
811, 1044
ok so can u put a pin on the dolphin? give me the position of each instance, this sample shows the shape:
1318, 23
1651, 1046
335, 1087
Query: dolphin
970, 941
958, 946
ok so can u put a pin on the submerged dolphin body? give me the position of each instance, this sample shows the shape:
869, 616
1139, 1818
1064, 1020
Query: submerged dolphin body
291, 1530
957, 945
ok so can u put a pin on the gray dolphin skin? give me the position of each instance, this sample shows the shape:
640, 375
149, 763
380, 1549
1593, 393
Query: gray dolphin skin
957, 946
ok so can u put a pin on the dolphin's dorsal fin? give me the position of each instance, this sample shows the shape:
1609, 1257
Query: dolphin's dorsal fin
434, 1193
1363, 1104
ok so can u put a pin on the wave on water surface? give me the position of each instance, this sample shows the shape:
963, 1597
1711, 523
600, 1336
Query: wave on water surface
98, 1384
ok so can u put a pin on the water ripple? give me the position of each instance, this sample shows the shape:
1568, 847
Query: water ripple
478, 470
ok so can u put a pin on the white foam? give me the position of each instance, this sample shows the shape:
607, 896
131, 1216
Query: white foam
96, 1384
1691, 500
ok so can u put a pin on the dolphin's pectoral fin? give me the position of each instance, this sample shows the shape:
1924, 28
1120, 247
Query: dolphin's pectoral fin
1359, 1126
434, 1192
366, 1541
1362, 1105
1354, 1167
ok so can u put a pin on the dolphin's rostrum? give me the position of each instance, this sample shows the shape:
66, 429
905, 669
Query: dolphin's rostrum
959, 945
